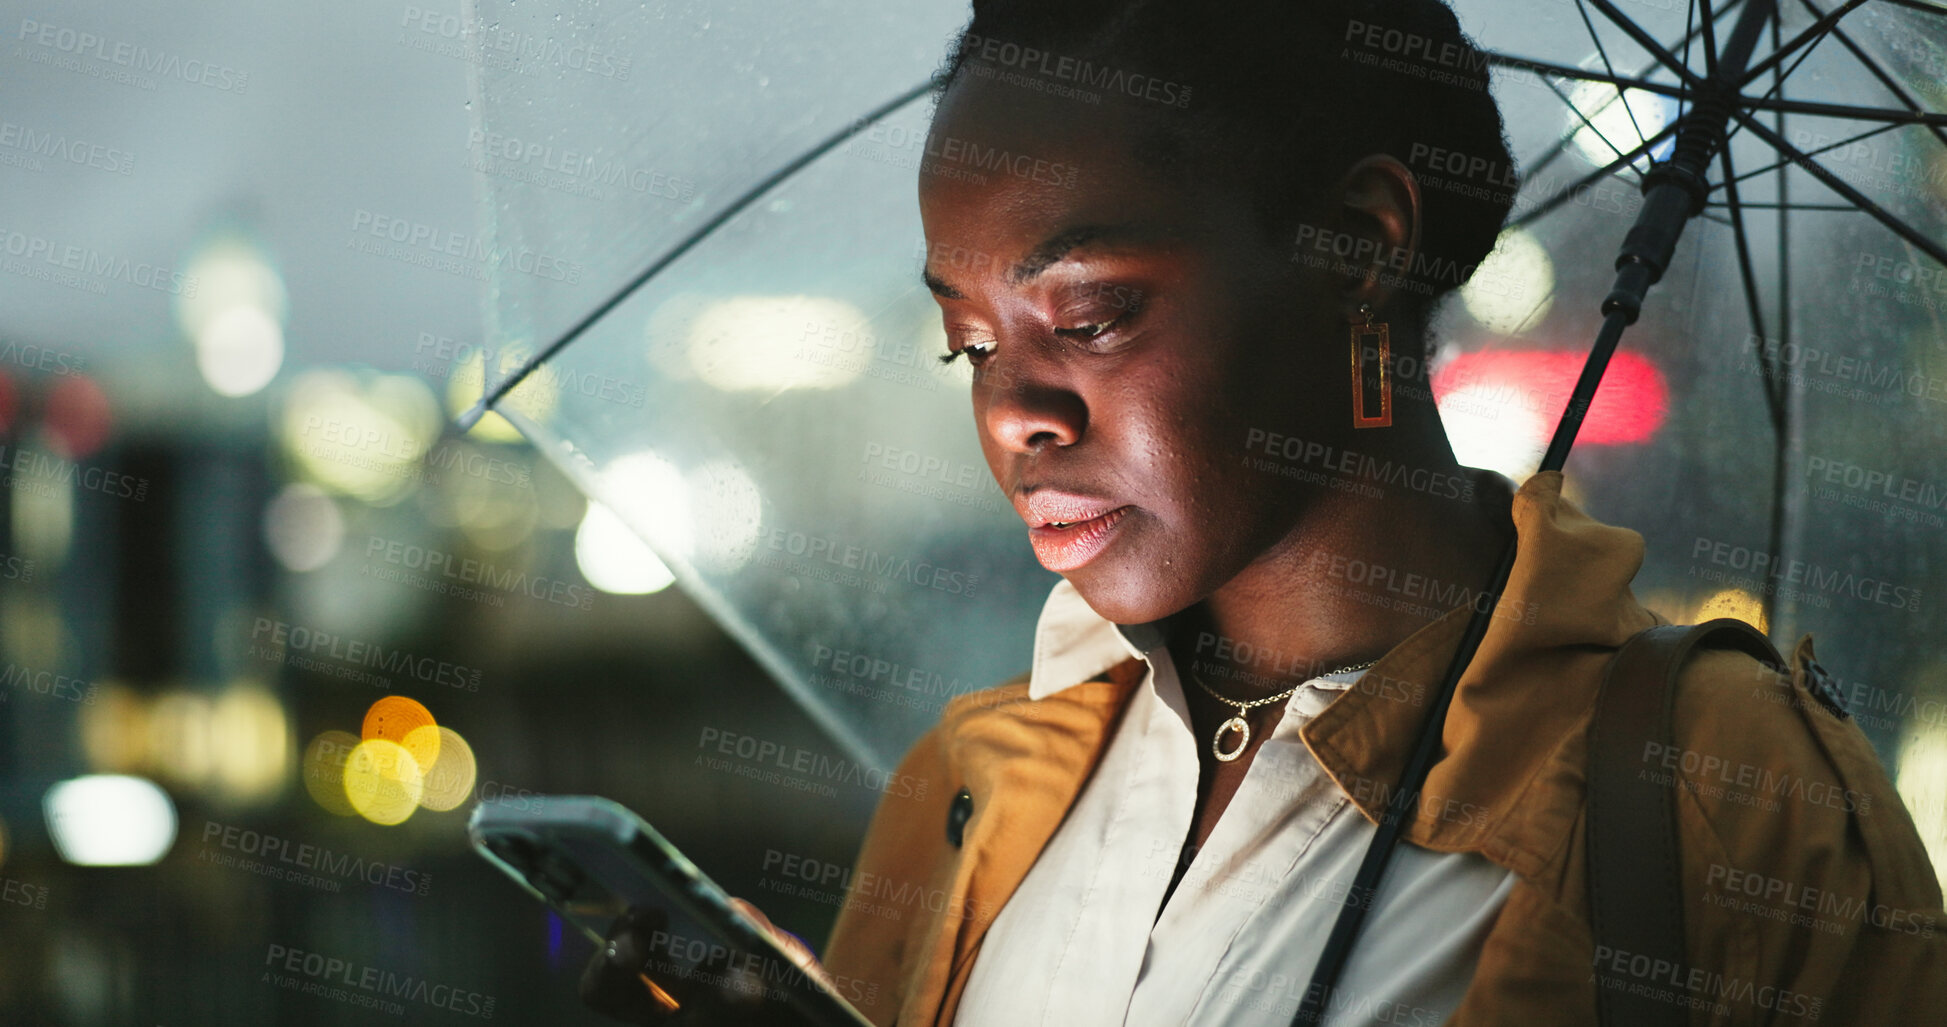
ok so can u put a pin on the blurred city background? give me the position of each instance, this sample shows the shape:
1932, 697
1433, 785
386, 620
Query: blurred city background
271, 624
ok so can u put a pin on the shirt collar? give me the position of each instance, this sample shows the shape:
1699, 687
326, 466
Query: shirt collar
1073, 643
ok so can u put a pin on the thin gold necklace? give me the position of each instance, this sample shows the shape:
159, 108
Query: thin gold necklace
1240, 725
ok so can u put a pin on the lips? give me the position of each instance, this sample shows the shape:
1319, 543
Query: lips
1068, 530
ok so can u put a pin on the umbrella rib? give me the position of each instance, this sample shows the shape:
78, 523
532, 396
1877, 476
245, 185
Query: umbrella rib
1584, 118
1872, 66
1838, 185
1847, 141
1507, 60
1603, 52
1749, 205
1812, 33
1752, 305
1648, 42
1842, 110
1562, 196
1679, 91
1917, 5
494, 395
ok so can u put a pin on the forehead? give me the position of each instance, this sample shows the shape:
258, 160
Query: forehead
1020, 177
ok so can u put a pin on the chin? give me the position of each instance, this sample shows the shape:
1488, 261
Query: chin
1125, 594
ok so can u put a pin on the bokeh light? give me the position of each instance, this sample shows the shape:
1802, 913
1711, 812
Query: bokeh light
451, 778
382, 781
774, 343
324, 770
1512, 289
1735, 603
110, 820
234, 316
303, 528
613, 559
394, 717
1614, 117
78, 418
1921, 779
359, 435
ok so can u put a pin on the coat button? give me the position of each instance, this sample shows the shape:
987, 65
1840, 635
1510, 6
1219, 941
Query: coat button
957, 816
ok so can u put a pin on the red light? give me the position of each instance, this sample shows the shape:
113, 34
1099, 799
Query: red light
1629, 406
77, 418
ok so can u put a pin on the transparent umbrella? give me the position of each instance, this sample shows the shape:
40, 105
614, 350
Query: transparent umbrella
743, 372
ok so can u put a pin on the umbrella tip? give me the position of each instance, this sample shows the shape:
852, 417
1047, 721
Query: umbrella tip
467, 420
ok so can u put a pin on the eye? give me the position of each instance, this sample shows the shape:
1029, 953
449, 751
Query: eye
977, 352
1088, 331
1113, 307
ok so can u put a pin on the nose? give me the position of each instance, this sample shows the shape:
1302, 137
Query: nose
1025, 411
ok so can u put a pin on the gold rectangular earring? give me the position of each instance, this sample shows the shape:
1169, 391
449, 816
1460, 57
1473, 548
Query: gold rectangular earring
1360, 333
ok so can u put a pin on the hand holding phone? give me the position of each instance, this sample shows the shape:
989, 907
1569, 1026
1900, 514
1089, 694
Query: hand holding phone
671, 947
622, 979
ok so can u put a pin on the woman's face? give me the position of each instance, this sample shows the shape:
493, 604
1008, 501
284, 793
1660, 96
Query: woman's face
1139, 338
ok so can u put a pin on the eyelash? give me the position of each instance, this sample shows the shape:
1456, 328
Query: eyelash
1101, 328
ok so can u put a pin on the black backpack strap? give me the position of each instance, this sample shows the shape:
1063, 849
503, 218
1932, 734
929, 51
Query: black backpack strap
1635, 879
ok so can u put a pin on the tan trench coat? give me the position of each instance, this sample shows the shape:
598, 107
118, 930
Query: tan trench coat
1808, 897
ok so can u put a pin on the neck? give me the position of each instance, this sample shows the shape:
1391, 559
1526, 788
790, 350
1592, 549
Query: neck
1351, 580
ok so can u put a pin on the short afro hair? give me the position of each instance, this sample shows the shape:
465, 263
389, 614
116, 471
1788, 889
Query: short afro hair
1280, 97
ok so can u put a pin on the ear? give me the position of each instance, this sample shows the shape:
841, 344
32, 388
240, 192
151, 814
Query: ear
1379, 205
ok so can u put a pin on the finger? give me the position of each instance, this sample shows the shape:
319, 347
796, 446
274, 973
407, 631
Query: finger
614, 981
793, 946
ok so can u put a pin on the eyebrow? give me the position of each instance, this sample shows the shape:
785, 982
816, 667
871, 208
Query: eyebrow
1051, 251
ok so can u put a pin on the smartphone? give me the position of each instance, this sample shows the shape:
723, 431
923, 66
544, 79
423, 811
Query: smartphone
591, 859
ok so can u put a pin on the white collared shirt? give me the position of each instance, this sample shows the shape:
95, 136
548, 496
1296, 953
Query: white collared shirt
1079, 943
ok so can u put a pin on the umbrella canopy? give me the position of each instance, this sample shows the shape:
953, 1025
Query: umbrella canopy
747, 377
